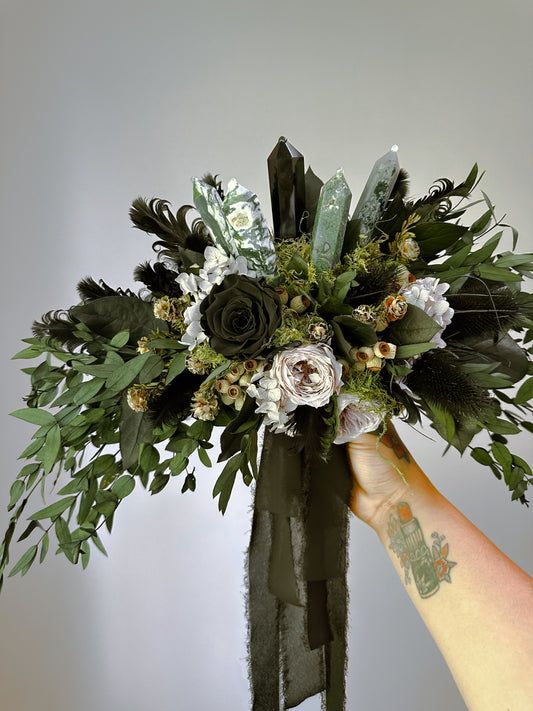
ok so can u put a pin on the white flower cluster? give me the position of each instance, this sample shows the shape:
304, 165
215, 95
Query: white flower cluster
304, 375
216, 266
428, 295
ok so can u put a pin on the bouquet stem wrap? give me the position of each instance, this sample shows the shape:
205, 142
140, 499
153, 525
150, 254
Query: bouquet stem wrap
297, 563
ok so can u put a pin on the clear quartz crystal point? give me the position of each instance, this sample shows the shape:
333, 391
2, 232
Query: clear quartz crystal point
330, 222
377, 191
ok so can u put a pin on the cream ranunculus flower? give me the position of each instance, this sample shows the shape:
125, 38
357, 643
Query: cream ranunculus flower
307, 375
356, 417
409, 249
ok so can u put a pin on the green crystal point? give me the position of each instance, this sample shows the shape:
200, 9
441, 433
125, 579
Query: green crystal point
330, 222
377, 192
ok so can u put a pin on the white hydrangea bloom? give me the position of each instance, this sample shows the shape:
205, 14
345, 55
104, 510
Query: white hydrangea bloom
217, 265
428, 295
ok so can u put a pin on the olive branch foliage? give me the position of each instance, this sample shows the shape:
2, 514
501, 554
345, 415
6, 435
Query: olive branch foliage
89, 360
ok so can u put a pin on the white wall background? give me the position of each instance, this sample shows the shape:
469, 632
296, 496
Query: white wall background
102, 101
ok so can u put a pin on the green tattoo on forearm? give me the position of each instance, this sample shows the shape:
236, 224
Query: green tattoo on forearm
391, 440
428, 567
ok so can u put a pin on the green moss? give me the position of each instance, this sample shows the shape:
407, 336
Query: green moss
203, 359
368, 386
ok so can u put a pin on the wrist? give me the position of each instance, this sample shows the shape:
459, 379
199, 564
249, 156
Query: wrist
417, 491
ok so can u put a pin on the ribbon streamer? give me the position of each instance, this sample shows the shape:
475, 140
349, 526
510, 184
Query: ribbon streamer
297, 590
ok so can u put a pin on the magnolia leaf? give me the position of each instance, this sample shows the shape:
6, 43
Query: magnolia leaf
510, 359
357, 333
415, 327
465, 431
433, 237
110, 315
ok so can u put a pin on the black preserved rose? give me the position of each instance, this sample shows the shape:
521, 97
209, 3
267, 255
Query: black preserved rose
240, 315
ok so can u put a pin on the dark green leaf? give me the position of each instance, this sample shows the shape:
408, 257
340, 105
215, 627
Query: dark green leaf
204, 457
120, 339
24, 564
16, 491
525, 392
413, 349
51, 449
123, 486
35, 416
127, 373
176, 367
45, 544
111, 314
481, 455
415, 327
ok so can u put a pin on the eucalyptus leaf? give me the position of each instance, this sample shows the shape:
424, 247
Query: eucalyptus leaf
123, 486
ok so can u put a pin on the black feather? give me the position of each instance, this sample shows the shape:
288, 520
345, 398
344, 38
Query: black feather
173, 404
309, 427
158, 278
89, 290
437, 377
58, 325
401, 186
175, 235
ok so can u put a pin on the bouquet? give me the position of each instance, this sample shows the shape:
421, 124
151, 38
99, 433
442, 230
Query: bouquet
314, 331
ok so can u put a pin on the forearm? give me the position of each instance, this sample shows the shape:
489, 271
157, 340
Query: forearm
477, 604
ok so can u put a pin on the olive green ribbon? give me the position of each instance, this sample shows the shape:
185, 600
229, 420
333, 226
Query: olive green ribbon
297, 590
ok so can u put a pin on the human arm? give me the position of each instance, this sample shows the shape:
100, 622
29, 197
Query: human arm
476, 603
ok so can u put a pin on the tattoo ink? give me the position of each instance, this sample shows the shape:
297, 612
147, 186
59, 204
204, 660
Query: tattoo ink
391, 440
428, 567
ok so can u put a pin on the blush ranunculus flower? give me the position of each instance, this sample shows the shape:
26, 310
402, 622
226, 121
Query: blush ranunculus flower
356, 417
307, 375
